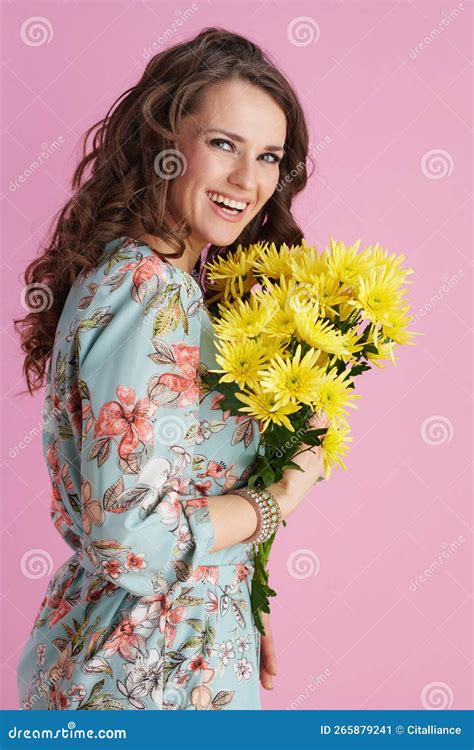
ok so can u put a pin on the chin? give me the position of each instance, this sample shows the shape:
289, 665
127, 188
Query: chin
222, 239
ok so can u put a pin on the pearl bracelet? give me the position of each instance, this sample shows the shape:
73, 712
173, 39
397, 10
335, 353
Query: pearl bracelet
268, 512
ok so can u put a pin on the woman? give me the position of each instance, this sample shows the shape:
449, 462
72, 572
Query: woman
152, 611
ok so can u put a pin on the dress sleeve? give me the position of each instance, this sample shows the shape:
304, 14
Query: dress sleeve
144, 525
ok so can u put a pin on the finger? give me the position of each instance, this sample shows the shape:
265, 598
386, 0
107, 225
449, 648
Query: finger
319, 421
268, 658
266, 679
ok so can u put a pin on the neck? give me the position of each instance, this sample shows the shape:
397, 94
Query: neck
186, 262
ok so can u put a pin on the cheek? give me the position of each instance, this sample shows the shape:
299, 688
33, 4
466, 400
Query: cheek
268, 185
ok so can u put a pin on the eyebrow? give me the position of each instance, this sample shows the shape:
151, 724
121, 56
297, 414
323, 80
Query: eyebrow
240, 139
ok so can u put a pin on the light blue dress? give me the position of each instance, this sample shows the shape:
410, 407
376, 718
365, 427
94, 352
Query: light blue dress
142, 615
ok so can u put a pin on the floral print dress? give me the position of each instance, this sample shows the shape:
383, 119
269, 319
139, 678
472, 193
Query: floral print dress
141, 615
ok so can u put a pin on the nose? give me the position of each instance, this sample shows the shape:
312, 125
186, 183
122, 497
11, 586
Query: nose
243, 173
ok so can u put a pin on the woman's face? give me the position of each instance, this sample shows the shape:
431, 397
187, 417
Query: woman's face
231, 148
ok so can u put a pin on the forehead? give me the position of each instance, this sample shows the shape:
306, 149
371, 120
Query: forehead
241, 107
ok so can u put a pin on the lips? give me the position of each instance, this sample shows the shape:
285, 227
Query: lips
219, 208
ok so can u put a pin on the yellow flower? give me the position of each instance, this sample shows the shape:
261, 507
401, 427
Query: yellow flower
308, 265
335, 446
272, 262
232, 275
265, 407
293, 379
335, 393
344, 264
240, 361
243, 318
321, 334
397, 324
378, 295
282, 325
376, 257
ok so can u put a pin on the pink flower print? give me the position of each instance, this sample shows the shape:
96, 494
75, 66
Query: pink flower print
181, 678
209, 573
185, 538
113, 568
77, 692
40, 654
64, 666
148, 267
170, 509
127, 418
197, 663
125, 639
57, 602
193, 505
202, 487
241, 572
57, 614
214, 469
135, 562
187, 384
170, 616
62, 701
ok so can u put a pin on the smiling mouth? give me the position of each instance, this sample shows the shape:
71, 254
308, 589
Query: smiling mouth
234, 209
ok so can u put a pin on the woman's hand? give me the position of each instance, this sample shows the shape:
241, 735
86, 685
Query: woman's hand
295, 485
268, 662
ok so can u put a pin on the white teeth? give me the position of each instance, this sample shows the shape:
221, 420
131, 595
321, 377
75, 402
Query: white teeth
218, 198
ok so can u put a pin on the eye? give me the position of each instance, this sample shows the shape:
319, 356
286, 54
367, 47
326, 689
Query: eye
215, 141
274, 158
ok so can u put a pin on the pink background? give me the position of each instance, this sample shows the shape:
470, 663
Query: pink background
355, 625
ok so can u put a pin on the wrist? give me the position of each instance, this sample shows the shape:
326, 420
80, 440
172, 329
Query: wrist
286, 497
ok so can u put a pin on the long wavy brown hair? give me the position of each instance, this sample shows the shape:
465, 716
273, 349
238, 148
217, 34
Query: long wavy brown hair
115, 185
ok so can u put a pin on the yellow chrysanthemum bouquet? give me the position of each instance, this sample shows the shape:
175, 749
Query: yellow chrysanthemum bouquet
293, 328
